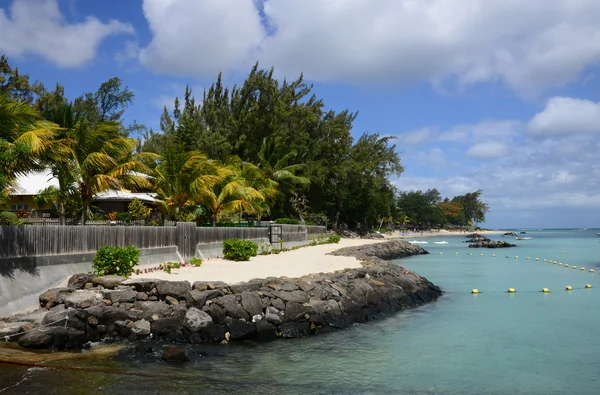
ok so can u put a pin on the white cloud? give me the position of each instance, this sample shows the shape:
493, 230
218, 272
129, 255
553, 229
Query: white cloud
414, 137
530, 45
482, 131
565, 116
38, 27
200, 37
488, 150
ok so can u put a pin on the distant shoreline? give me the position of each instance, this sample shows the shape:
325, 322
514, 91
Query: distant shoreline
440, 233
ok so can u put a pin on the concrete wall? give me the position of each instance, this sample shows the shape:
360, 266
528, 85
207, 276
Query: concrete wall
22, 280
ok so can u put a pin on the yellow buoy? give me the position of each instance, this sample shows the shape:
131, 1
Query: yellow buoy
563, 252
493, 255
511, 290
480, 254
583, 269
555, 263
517, 257
568, 288
537, 259
470, 253
560, 264
574, 267
566, 265
475, 291
588, 285
457, 253
545, 290
527, 258
506, 257
591, 270
441, 253
545, 260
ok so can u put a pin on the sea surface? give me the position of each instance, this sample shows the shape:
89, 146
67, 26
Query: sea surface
495, 342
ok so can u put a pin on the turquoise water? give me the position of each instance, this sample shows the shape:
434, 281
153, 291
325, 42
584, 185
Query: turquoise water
491, 343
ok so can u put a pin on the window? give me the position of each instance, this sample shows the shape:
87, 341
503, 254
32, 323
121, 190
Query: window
17, 207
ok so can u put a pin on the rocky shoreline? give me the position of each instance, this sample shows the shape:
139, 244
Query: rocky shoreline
479, 241
101, 308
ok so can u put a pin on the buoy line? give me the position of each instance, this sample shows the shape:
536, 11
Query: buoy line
476, 291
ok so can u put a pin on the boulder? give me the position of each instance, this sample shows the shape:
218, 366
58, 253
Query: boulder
120, 295
141, 328
232, 307
141, 284
170, 327
12, 328
217, 313
82, 299
176, 289
35, 317
293, 296
250, 286
57, 338
196, 319
174, 354
79, 281
143, 296
212, 333
54, 296
209, 285
240, 330
109, 281
294, 329
273, 315
198, 298
108, 315
251, 303
72, 318
265, 331
150, 309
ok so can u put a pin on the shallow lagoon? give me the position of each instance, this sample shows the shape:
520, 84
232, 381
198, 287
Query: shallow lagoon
491, 343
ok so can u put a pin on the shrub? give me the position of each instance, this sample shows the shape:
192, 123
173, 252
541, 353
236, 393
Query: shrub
287, 221
334, 239
115, 260
138, 210
124, 217
275, 251
196, 262
239, 250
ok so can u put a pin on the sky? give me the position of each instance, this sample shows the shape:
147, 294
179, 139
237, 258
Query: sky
498, 95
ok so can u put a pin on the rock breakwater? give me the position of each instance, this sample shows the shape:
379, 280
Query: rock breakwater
98, 308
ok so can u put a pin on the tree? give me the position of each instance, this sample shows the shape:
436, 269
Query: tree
474, 209
108, 103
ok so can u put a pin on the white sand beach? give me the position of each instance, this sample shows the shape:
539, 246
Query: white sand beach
294, 263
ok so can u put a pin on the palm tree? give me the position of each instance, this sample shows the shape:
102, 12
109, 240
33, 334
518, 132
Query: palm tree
24, 138
179, 174
231, 192
274, 163
103, 159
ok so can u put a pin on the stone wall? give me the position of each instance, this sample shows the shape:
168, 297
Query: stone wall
95, 308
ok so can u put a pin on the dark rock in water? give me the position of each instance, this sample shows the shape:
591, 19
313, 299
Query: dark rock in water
78, 281
294, 329
174, 354
176, 289
266, 331
55, 337
170, 328
388, 251
109, 282
71, 318
230, 304
212, 333
491, 244
240, 330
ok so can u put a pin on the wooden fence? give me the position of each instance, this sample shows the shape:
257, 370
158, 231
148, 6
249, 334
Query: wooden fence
27, 241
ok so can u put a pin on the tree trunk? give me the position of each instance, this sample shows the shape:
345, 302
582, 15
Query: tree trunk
214, 220
63, 214
84, 212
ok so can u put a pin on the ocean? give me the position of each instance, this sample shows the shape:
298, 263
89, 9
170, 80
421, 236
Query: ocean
527, 342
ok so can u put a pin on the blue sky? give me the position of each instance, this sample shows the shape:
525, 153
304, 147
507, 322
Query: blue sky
499, 95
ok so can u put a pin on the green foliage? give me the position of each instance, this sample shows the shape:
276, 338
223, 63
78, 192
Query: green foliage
138, 210
239, 250
196, 262
168, 266
275, 251
119, 261
334, 239
10, 218
124, 217
287, 221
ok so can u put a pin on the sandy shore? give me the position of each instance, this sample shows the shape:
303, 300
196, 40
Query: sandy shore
295, 263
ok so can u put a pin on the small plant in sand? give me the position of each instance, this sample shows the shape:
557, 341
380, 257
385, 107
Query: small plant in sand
196, 262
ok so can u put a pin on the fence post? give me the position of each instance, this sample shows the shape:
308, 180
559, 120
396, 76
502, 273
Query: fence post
186, 239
